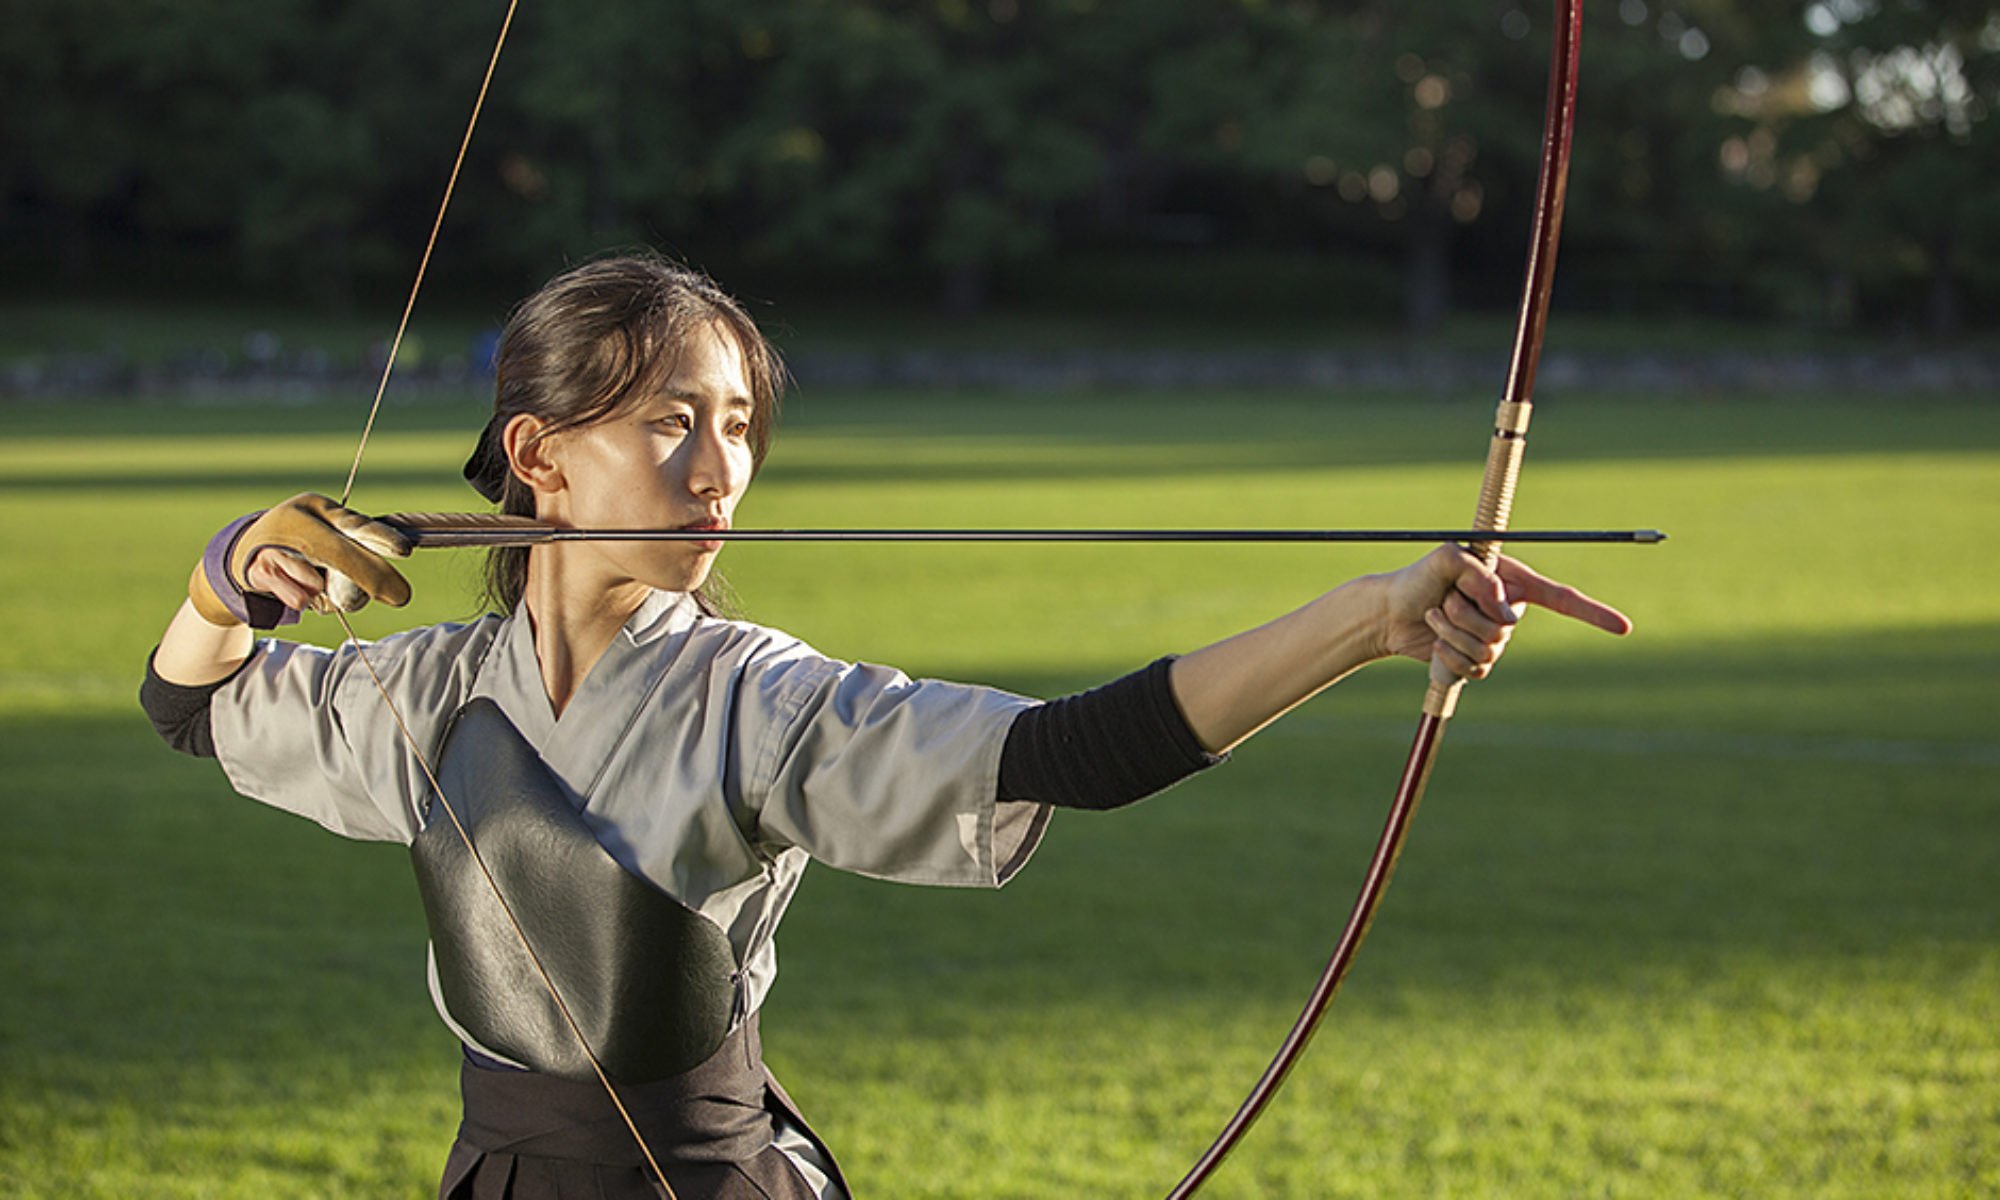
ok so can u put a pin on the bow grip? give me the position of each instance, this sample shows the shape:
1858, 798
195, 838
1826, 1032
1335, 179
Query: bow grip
1496, 503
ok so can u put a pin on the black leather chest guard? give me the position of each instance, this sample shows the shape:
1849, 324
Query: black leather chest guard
651, 982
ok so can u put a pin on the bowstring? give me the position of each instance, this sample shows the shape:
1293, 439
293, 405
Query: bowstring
402, 726
513, 921
430, 244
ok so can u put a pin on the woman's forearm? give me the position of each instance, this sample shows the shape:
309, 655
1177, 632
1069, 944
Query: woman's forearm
1230, 690
193, 652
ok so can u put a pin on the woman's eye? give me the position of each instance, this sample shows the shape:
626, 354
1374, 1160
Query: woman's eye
677, 422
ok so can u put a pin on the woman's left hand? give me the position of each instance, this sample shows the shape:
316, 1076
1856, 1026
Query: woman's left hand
1448, 605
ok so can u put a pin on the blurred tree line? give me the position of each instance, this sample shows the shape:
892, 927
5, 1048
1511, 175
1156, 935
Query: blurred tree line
1833, 162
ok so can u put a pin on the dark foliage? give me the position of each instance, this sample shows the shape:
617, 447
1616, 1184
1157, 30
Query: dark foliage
1830, 163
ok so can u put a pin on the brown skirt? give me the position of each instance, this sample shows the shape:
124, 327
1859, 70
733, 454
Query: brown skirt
529, 1136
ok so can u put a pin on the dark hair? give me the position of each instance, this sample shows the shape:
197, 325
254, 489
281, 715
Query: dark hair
592, 340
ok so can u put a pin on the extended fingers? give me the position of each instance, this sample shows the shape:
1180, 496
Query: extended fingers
1525, 584
1479, 607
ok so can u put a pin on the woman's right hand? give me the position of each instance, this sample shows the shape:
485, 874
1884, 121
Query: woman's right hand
309, 552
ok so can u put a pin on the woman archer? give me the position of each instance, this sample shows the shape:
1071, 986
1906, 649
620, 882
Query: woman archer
646, 778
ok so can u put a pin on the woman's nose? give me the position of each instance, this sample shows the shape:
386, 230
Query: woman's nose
713, 469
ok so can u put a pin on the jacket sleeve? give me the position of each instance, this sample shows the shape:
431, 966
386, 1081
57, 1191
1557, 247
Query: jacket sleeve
305, 730
179, 713
872, 772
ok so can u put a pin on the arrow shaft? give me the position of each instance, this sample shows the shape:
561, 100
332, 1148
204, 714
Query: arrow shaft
430, 532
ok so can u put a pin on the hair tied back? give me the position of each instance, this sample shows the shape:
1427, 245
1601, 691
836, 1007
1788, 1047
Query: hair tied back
487, 469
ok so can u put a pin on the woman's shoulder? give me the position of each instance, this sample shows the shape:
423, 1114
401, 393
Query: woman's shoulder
446, 638
763, 660
447, 651
748, 643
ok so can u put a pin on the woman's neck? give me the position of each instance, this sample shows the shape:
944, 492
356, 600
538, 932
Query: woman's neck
575, 614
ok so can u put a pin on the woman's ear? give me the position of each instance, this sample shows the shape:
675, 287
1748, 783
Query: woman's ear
527, 442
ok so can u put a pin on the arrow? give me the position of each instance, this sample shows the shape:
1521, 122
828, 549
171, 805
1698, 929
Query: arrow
443, 530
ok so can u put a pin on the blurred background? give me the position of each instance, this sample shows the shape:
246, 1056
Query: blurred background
1713, 911
1075, 172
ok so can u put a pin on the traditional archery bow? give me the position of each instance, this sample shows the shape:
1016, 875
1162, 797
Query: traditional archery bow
1496, 499
1489, 524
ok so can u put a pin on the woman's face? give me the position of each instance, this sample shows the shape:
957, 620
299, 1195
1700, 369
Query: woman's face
679, 458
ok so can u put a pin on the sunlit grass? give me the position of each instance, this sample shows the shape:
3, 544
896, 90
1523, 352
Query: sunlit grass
1713, 911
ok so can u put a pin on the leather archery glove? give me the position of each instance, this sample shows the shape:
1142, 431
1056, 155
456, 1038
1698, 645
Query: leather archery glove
349, 548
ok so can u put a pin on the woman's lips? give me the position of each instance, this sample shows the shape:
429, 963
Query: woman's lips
698, 526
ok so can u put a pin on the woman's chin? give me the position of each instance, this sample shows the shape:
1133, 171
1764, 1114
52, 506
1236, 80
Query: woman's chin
685, 576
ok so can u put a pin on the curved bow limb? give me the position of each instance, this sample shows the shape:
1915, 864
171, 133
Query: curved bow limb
1496, 498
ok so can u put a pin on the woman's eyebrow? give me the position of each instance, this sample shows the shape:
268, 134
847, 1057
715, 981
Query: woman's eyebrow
696, 396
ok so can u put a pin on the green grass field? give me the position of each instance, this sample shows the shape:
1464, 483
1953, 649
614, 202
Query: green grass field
1714, 911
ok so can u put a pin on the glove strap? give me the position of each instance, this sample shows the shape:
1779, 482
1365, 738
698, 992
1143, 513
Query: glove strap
216, 593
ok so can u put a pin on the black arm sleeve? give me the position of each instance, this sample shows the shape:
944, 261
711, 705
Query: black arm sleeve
1104, 748
180, 714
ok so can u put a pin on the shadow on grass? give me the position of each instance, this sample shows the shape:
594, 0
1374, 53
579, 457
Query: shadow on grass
154, 917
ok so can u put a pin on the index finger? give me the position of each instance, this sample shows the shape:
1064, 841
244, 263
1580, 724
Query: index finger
1524, 583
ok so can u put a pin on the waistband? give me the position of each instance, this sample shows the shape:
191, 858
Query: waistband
713, 1113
